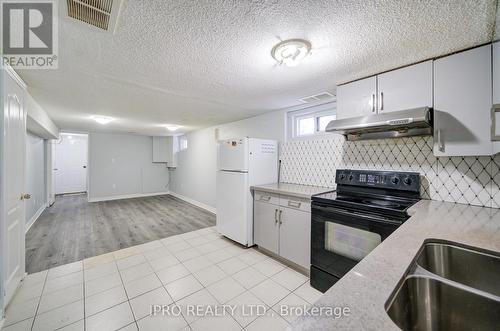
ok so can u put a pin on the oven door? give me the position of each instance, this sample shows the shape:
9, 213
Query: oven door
340, 238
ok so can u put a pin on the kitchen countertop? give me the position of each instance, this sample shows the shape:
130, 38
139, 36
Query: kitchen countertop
366, 288
296, 190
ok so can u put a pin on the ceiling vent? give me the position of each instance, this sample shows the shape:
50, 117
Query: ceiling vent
317, 97
102, 14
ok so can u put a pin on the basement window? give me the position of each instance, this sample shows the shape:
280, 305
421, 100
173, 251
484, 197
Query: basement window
310, 122
183, 143
305, 126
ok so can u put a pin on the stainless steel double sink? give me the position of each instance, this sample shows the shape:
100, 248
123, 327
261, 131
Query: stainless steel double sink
448, 286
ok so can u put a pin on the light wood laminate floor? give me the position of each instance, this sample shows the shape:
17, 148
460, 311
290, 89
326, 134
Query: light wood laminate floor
73, 229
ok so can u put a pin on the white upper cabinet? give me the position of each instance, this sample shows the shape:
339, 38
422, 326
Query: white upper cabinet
462, 103
496, 96
165, 150
405, 88
496, 72
357, 98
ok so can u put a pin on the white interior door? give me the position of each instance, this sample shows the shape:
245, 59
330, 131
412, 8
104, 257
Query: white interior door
14, 158
70, 166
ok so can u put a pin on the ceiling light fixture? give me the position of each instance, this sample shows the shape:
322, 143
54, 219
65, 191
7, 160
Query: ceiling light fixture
291, 52
102, 119
172, 127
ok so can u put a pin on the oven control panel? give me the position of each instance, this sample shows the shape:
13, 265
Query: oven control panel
406, 181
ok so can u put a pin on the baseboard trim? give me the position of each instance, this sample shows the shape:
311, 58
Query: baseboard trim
195, 202
127, 196
35, 217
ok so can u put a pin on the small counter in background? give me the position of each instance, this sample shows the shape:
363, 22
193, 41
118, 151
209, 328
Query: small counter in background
296, 190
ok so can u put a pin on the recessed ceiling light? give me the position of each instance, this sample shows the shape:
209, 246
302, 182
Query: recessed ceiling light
172, 127
102, 119
290, 52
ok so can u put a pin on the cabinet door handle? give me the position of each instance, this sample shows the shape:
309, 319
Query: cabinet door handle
381, 100
275, 216
281, 213
495, 110
265, 198
373, 102
440, 141
294, 204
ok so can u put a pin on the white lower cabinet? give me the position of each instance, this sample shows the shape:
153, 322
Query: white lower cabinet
265, 226
284, 229
295, 236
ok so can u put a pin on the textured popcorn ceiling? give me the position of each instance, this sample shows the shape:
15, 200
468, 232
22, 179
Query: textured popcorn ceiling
497, 25
200, 63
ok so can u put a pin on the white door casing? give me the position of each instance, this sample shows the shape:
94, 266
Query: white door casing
13, 164
70, 163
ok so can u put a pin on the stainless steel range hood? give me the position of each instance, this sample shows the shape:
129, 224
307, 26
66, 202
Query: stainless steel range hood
403, 123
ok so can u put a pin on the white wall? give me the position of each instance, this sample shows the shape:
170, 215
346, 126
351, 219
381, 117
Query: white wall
35, 177
194, 178
120, 165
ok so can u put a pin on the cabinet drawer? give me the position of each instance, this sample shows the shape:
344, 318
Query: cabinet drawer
295, 203
266, 197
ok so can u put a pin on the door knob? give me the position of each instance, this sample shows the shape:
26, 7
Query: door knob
25, 196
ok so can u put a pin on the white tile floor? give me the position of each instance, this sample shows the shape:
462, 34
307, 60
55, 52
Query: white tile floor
115, 291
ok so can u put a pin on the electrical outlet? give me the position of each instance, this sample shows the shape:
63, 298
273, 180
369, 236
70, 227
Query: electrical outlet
114, 186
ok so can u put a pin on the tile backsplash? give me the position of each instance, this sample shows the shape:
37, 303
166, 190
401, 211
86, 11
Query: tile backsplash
469, 180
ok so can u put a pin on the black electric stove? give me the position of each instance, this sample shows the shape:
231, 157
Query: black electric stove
346, 225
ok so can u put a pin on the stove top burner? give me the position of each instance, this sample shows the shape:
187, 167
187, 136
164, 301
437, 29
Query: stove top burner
371, 191
382, 203
393, 204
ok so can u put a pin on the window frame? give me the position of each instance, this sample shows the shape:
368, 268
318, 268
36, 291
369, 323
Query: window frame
296, 124
182, 139
293, 118
317, 117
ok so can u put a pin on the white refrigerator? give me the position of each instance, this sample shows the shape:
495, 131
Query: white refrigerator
242, 163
